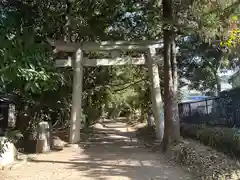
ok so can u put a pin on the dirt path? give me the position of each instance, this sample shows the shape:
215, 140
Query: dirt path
114, 154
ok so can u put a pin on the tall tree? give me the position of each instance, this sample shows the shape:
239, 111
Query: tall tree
201, 63
171, 119
27, 62
206, 18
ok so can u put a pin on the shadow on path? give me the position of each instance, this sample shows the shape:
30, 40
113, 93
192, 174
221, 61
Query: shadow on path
113, 153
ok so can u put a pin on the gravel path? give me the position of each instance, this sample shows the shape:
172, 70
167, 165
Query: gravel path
114, 154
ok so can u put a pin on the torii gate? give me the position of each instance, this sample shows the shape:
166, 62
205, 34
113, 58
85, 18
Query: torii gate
78, 62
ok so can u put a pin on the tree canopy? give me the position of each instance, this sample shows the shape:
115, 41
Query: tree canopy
44, 92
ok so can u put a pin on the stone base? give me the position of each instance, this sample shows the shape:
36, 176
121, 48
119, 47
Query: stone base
42, 146
43, 141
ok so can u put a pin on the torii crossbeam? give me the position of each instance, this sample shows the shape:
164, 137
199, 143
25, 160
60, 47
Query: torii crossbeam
150, 58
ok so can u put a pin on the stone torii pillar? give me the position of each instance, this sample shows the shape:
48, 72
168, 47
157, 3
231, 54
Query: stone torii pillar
76, 111
155, 92
79, 62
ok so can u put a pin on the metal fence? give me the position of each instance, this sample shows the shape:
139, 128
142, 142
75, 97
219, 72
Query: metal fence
223, 111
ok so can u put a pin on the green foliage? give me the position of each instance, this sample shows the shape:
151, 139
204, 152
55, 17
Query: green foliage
14, 135
201, 56
201, 62
224, 139
127, 88
44, 92
10, 136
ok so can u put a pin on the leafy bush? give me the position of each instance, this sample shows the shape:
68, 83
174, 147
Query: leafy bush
222, 138
10, 136
14, 136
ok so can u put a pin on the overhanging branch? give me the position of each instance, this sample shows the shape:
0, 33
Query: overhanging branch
131, 84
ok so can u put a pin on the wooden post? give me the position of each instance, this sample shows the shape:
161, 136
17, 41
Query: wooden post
74, 135
155, 93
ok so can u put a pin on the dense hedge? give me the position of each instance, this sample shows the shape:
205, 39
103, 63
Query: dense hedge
221, 138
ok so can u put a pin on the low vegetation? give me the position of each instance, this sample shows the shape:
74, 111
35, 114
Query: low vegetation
204, 162
222, 138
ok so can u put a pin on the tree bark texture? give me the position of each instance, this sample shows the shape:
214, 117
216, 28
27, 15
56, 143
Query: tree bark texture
174, 108
167, 93
171, 116
218, 84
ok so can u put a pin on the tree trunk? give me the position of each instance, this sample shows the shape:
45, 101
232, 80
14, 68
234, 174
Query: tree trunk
167, 91
167, 12
174, 108
218, 84
217, 77
171, 118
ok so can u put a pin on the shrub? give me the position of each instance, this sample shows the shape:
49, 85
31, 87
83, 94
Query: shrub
222, 138
10, 136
